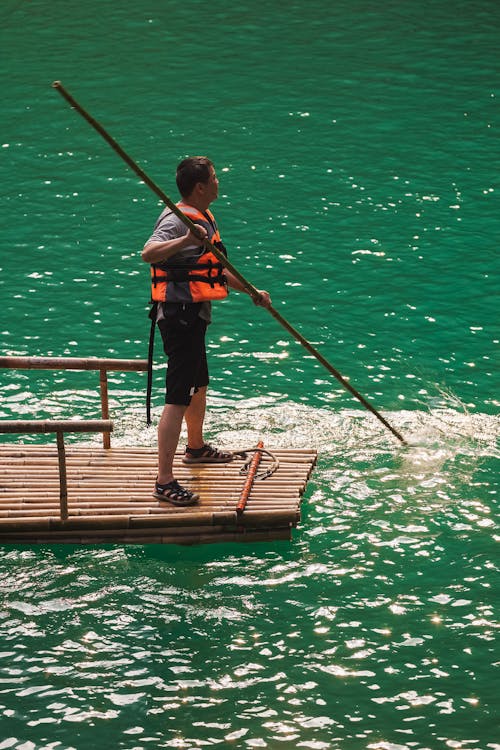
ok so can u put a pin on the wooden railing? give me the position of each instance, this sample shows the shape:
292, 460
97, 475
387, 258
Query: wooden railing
29, 426
77, 363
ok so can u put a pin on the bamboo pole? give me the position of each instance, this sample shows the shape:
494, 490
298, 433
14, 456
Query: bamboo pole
27, 426
13, 485
73, 363
87, 454
119, 484
52, 534
252, 291
140, 537
112, 475
250, 519
83, 492
138, 449
134, 508
247, 487
103, 382
63, 482
139, 462
148, 454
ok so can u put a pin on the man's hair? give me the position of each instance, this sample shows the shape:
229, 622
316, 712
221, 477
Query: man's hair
190, 171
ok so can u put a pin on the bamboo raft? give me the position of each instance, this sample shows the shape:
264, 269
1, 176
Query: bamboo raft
110, 499
89, 495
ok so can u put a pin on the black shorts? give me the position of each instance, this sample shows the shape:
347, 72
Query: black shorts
183, 334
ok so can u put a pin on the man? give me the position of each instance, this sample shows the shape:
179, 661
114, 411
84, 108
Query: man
185, 280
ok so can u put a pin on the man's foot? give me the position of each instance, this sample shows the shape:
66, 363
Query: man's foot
206, 455
175, 494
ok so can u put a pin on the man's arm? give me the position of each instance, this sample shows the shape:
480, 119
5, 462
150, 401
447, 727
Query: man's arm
264, 300
156, 252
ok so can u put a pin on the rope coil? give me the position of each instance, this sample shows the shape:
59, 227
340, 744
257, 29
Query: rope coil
260, 474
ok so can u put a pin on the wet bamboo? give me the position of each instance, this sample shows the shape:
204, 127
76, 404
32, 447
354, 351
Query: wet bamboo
253, 519
214, 531
252, 291
137, 511
140, 537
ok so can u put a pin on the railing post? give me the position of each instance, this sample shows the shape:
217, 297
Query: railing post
81, 363
103, 381
58, 427
63, 482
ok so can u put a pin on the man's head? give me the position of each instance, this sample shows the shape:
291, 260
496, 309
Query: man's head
196, 174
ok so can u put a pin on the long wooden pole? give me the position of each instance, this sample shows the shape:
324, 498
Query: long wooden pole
252, 291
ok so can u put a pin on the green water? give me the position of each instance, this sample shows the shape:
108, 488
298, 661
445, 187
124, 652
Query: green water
357, 150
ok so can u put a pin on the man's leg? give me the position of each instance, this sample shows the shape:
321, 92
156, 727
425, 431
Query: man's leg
169, 430
198, 451
195, 415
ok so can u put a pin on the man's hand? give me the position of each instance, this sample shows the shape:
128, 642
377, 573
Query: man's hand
263, 300
192, 238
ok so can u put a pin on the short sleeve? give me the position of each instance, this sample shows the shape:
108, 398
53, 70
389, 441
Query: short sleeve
168, 227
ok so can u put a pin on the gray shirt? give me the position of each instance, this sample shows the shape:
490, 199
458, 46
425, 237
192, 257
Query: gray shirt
169, 227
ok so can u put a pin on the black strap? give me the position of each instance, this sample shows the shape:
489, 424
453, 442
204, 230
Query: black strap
186, 267
212, 280
214, 276
152, 314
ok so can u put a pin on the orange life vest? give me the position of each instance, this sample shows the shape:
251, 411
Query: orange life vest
197, 278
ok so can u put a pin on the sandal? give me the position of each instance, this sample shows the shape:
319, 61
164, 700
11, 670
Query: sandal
175, 494
206, 455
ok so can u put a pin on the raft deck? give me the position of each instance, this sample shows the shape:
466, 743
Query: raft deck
87, 494
109, 497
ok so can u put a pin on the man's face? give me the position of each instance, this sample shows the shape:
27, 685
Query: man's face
212, 186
